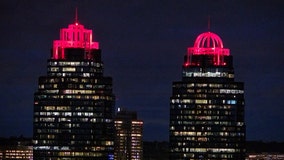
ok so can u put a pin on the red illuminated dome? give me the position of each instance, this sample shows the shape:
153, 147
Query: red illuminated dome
208, 43
208, 40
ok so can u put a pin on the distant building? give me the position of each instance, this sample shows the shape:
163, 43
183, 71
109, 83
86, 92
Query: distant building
16, 149
74, 102
207, 105
265, 156
129, 136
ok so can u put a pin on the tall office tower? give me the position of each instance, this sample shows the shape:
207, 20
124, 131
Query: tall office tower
74, 103
128, 140
207, 105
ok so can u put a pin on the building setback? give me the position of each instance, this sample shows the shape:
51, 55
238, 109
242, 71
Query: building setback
74, 102
129, 136
207, 105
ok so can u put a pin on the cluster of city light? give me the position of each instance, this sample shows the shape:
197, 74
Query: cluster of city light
205, 85
17, 153
55, 95
201, 101
208, 74
267, 156
74, 63
204, 133
74, 68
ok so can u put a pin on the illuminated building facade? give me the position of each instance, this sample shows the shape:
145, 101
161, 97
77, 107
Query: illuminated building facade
16, 149
74, 103
264, 156
16, 152
129, 140
207, 105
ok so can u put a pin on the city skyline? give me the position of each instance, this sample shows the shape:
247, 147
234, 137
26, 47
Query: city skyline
143, 44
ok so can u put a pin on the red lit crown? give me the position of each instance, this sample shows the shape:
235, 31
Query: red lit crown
209, 43
208, 40
75, 36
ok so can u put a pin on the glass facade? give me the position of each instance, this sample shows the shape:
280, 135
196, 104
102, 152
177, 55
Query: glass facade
207, 106
74, 103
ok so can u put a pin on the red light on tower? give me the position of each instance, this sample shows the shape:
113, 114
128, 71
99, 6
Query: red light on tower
75, 36
208, 43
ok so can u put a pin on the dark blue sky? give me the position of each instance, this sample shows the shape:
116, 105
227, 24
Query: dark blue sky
143, 43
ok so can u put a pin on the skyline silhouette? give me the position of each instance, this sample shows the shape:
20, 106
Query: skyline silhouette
143, 44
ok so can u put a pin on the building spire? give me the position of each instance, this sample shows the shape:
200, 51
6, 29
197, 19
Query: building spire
209, 23
76, 15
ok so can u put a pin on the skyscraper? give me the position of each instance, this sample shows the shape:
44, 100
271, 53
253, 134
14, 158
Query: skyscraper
129, 136
207, 105
74, 103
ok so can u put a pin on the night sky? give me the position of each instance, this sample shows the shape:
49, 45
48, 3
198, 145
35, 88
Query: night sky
143, 43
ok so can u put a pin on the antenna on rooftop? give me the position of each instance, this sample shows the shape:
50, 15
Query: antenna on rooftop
208, 23
76, 15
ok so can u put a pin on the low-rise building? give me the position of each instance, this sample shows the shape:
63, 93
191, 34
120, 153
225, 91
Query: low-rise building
16, 149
